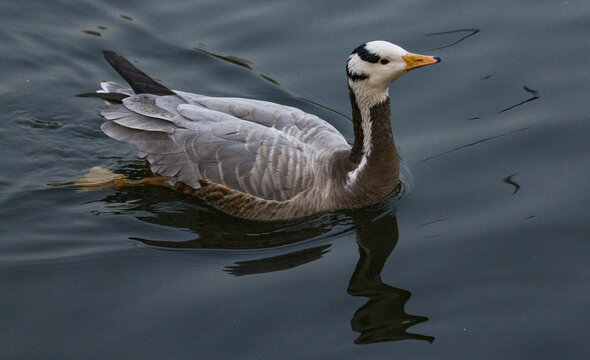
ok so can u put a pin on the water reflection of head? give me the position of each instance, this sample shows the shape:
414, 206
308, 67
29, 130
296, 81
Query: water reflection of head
383, 317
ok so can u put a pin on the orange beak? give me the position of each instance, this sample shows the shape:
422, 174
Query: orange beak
415, 61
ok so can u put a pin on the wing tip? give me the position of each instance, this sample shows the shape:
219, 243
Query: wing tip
108, 54
139, 81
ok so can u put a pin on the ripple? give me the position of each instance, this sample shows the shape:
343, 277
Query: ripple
470, 32
475, 143
534, 96
508, 180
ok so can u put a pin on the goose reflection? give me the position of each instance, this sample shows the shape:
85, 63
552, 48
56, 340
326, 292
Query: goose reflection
215, 230
381, 318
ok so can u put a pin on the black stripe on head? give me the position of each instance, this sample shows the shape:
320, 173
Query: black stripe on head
365, 55
354, 76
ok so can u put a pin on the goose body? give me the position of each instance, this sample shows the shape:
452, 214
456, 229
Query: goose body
261, 160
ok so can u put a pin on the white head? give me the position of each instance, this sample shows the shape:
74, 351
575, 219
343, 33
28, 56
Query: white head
373, 66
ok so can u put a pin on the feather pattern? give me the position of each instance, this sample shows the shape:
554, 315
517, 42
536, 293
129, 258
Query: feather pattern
259, 148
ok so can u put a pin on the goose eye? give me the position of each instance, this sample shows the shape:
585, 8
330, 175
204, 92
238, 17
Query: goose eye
384, 61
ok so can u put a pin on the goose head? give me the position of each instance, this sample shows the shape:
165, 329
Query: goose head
373, 66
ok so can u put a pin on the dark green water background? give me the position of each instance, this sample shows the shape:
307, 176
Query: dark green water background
485, 256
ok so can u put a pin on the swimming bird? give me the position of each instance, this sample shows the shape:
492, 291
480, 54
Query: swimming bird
262, 160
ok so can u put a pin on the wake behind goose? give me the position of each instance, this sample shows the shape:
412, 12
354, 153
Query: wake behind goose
257, 159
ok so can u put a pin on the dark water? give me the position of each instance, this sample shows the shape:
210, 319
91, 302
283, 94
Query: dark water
485, 255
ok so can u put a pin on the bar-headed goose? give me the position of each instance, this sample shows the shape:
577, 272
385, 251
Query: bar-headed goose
258, 159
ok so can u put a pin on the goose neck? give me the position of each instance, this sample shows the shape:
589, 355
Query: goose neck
374, 158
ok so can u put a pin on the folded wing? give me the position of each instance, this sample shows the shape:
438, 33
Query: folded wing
263, 149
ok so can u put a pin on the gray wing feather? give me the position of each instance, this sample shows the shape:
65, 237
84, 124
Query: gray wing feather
150, 142
119, 114
112, 87
257, 147
307, 127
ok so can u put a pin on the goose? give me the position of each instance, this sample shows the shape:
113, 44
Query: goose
261, 160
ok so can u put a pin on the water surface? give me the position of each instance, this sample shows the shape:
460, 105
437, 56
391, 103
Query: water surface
484, 255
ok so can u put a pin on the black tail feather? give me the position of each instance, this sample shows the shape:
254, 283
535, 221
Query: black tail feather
115, 97
137, 79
